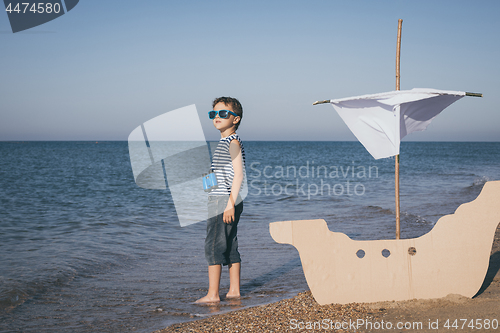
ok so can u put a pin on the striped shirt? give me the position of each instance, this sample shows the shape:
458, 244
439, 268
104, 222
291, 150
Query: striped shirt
223, 165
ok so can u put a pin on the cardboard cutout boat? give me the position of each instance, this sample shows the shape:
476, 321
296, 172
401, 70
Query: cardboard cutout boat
452, 258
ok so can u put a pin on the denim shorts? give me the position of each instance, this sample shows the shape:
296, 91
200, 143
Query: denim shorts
221, 244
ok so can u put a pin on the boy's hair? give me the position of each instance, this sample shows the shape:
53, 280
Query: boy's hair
234, 104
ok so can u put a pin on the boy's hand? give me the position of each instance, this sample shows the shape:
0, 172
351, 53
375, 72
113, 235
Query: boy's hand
228, 216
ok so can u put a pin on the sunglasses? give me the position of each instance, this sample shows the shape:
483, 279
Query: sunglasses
224, 114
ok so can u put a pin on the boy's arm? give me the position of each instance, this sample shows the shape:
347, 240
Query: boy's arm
235, 152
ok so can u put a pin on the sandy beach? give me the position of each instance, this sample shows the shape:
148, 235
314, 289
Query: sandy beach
302, 313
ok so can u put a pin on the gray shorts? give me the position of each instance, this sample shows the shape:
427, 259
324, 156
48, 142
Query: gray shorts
221, 244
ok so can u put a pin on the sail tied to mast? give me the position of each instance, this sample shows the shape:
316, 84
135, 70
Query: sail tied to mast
380, 121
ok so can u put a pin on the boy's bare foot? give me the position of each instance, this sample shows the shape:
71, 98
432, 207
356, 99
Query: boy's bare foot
208, 299
229, 296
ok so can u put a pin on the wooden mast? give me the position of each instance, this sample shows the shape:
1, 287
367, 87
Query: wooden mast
398, 55
396, 171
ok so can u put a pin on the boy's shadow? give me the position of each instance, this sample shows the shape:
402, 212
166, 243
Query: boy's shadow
493, 269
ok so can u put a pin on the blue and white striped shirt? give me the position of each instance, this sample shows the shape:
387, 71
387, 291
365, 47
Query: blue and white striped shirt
223, 165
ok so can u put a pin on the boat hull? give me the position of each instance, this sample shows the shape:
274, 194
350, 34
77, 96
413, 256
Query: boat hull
452, 258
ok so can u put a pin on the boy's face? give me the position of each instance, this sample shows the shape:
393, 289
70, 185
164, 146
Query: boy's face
224, 124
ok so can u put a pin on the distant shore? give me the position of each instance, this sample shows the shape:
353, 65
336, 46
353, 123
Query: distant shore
302, 313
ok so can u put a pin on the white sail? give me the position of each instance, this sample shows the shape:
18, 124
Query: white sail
380, 121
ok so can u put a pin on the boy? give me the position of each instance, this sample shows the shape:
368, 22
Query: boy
224, 203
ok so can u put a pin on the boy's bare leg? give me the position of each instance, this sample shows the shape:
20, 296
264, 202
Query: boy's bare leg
234, 280
214, 272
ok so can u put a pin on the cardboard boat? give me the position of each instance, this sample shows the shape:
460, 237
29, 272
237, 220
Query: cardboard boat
450, 259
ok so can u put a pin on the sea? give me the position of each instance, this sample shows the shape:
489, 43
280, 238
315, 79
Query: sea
84, 249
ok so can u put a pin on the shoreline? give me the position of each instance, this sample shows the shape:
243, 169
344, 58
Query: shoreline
418, 315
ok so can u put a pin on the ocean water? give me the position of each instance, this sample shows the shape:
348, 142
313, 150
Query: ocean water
84, 249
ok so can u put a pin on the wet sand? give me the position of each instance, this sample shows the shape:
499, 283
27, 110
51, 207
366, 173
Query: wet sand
302, 313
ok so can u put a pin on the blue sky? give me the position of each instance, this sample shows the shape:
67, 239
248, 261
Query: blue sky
105, 67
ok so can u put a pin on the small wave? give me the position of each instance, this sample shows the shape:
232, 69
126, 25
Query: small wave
380, 210
473, 190
12, 298
285, 198
406, 217
174, 313
15, 294
414, 218
480, 181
